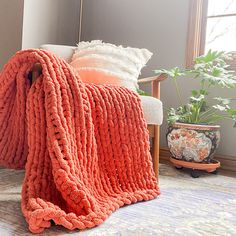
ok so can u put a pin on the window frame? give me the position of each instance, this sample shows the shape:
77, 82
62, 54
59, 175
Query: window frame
196, 30
196, 37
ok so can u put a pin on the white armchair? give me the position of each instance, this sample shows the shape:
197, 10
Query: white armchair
152, 106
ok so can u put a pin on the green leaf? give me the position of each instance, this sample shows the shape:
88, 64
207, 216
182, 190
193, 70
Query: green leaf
232, 112
224, 101
172, 117
142, 93
216, 72
220, 108
224, 81
173, 73
204, 92
213, 56
194, 93
161, 71
197, 99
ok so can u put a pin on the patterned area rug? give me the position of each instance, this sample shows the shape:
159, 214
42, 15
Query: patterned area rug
193, 207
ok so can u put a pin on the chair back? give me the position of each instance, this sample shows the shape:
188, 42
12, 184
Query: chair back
63, 51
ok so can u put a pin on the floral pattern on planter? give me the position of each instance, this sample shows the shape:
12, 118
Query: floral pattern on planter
196, 145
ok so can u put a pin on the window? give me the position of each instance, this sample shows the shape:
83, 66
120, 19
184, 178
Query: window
212, 25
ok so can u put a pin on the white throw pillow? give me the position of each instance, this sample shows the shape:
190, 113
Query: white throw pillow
104, 63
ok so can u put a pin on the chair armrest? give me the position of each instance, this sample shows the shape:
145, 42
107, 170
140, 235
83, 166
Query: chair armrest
155, 83
157, 78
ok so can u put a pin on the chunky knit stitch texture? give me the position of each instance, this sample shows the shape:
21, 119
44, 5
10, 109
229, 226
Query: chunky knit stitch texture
85, 147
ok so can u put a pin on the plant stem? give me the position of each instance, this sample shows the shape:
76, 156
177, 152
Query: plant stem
178, 91
207, 111
227, 118
214, 120
209, 115
197, 115
202, 84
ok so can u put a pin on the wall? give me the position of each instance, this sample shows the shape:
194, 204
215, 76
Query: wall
54, 21
160, 26
30, 23
11, 16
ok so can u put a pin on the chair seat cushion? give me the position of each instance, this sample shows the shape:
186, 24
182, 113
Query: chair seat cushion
153, 111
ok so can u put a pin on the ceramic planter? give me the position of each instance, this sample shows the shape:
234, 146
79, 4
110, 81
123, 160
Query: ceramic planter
194, 143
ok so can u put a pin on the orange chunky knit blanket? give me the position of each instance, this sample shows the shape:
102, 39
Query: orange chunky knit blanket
85, 147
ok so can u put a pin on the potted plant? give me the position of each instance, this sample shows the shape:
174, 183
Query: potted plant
193, 133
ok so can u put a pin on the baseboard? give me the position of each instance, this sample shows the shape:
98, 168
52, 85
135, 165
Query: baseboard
228, 163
